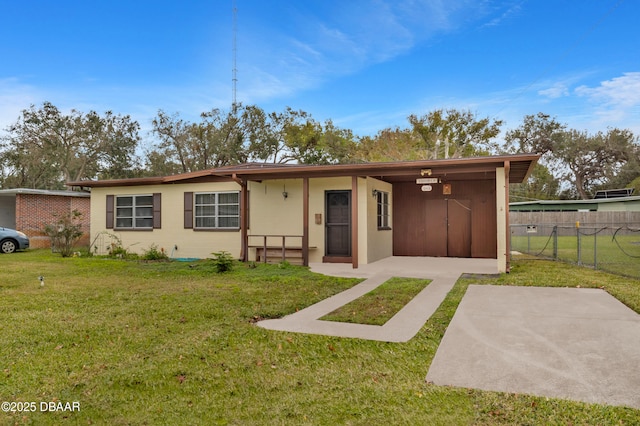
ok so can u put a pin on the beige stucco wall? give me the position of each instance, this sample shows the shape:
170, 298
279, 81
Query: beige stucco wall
190, 243
502, 211
270, 213
379, 243
317, 188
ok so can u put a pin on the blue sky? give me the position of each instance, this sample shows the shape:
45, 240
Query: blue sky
365, 64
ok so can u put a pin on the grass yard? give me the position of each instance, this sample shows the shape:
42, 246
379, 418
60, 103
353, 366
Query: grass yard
381, 304
173, 343
620, 256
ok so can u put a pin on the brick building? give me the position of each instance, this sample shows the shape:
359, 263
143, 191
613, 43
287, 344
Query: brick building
30, 210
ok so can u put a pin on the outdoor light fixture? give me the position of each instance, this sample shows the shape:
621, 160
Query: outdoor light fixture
285, 194
425, 172
374, 193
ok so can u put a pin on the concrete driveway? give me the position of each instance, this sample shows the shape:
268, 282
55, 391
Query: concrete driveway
570, 343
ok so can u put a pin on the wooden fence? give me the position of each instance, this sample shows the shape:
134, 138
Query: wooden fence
595, 219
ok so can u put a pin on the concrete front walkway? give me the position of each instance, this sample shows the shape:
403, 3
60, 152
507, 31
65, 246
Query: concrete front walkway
405, 324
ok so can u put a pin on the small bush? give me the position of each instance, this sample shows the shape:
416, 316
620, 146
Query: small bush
114, 247
223, 261
65, 233
116, 250
284, 264
154, 254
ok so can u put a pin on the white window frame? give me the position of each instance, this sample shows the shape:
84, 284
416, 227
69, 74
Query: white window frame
216, 214
135, 208
383, 210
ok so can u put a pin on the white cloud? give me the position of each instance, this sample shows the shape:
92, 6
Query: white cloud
343, 39
504, 15
14, 97
615, 100
619, 92
558, 90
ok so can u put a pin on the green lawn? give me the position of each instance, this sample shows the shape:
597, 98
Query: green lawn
620, 255
381, 304
174, 343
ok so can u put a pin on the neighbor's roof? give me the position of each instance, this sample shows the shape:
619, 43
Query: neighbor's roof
570, 202
44, 192
520, 166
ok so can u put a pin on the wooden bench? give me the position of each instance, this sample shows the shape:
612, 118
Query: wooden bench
268, 252
275, 254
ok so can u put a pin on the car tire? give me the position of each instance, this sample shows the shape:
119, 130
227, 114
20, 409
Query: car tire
8, 246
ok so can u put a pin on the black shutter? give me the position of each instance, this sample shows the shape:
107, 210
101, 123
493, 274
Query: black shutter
110, 202
157, 222
188, 210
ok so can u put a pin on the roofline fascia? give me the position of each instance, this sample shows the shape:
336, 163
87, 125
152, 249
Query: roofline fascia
358, 169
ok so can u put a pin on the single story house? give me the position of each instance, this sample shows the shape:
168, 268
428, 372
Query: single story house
352, 213
30, 210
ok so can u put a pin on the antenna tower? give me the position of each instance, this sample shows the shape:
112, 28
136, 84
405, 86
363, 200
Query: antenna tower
234, 71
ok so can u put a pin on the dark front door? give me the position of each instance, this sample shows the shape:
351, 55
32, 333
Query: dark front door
338, 223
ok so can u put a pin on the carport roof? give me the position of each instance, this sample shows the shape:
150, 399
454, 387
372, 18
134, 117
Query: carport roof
519, 165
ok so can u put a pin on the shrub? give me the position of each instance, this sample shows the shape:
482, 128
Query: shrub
223, 261
284, 264
65, 233
154, 254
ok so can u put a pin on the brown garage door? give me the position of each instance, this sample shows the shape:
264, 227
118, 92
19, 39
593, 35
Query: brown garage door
440, 228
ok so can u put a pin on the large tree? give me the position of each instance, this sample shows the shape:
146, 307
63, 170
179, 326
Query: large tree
585, 162
438, 134
311, 142
247, 133
594, 160
541, 185
294, 136
217, 140
46, 148
391, 145
455, 133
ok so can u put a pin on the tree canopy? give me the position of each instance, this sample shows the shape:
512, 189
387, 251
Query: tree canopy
584, 162
438, 134
45, 148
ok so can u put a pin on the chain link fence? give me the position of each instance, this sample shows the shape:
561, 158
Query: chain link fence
614, 249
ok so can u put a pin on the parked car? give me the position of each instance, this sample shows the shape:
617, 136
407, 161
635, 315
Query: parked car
12, 240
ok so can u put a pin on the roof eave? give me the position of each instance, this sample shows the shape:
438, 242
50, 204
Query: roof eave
292, 171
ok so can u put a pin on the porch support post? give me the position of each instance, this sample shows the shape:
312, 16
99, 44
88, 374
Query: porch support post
507, 171
244, 219
305, 221
354, 221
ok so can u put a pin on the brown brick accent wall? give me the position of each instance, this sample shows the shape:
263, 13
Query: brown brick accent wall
83, 205
33, 212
